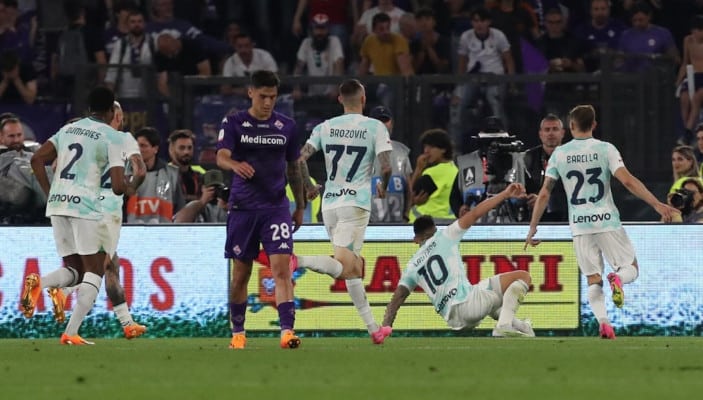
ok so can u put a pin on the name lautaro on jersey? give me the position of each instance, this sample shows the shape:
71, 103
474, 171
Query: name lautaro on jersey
348, 133
581, 158
425, 253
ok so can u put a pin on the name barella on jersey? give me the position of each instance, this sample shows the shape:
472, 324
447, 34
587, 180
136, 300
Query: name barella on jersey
350, 144
586, 167
85, 150
110, 202
437, 268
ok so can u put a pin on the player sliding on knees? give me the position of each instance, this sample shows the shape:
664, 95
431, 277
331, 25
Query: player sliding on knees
438, 269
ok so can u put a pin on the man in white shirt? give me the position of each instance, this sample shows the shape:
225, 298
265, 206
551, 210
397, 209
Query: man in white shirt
246, 60
321, 55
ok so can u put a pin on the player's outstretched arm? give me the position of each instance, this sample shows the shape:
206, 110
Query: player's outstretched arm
401, 293
636, 187
43, 156
540, 205
470, 218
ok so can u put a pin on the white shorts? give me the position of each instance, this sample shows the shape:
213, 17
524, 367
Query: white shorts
614, 245
346, 227
485, 299
78, 235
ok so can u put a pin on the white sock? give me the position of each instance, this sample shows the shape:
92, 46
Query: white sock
627, 274
67, 291
321, 264
511, 301
87, 293
597, 302
520, 325
62, 277
355, 287
122, 313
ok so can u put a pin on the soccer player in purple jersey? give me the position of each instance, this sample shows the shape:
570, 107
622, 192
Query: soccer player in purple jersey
260, 146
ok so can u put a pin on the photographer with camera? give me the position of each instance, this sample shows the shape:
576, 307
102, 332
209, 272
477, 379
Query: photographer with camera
689, 200
212, 205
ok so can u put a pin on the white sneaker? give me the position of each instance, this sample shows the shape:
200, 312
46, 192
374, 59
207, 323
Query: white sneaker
527, 329
507, 331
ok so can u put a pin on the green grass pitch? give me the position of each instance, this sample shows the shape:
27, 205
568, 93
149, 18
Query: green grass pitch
434, 368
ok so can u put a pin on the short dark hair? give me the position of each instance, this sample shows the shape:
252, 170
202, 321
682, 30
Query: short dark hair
264, 78
481, 13
379, 19
423, 12
150, 134
583, 116
8, 120
640, 7
423, 224
438, 138
551, 117
7, 115
350, 87
101, 99
181, 134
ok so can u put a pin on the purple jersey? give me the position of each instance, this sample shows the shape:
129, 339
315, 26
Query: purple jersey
267, 145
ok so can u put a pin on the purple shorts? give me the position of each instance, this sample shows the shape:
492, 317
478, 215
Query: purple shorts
246, 229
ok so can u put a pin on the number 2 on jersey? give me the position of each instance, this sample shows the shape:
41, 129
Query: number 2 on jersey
593, 179
65, 174
339, 150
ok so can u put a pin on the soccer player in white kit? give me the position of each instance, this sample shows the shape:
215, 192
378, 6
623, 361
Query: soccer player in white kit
351, 143
84, 150
112, 215
586, 165
438, 269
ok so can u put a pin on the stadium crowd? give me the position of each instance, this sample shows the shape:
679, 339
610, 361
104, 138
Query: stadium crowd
45, 46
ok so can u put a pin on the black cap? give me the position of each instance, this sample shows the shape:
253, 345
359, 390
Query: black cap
213, 177
381, 113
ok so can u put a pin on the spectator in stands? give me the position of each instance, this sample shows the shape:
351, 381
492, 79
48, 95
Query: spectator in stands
683, 165
601, 34
645, 38
163, 21
120, 28
19, 81
433, 54
77, 46
245, 61
408, 28
160, 196
385, 52
211, 207
320, 54
482, 49
396, 205
565, 54
178, 58
433, 179
22, 200
14, 35
339, 12
517, 21
181, 143
691, 102
551, 134
689, 201
365, 25
132, 50
699, 147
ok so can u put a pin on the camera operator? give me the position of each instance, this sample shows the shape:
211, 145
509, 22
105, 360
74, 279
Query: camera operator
689, 200
487, 171
212, 205
551, 134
